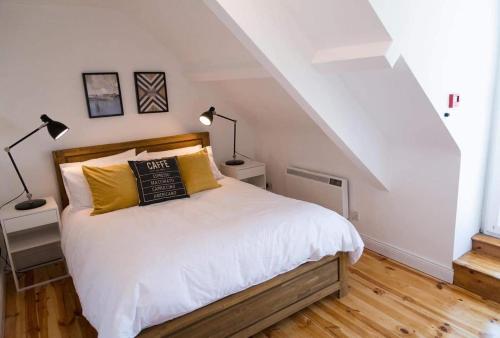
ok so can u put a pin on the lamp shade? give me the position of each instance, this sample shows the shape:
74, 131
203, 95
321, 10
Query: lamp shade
207, 117
56, 129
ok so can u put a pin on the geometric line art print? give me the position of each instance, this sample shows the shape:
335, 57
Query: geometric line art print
151, 92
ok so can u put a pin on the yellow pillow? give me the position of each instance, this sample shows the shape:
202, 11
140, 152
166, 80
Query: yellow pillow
196, 173
113, 187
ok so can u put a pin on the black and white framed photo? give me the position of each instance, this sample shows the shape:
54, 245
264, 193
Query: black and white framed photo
151, 92
103, 94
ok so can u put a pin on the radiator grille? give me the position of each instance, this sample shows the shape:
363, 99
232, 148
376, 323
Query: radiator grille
326, 190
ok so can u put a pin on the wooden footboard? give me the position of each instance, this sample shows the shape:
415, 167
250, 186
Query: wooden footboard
250, 311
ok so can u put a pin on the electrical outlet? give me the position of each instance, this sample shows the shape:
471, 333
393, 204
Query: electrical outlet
354, 216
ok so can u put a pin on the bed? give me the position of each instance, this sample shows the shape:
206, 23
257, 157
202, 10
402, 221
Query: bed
226, 262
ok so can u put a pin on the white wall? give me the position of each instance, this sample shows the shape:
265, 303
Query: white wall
413, 222
491, 207
44, 50
413, 218
451, 47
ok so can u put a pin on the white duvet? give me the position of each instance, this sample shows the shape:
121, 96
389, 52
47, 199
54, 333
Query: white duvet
142, 266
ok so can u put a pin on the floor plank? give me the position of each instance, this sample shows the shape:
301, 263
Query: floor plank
385, 299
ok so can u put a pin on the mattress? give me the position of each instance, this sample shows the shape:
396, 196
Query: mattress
141, 266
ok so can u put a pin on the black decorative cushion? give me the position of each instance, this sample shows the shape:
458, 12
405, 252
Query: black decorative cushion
158, 180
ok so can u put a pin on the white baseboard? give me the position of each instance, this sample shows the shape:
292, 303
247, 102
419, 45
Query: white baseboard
425, 265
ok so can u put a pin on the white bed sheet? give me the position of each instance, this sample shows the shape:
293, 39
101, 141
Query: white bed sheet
142, 266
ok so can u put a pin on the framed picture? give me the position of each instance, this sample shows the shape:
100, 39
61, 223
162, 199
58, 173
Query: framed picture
151, 91
103, 94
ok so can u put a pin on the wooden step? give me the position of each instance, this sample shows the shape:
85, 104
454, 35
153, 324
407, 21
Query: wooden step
486, 244
480, 273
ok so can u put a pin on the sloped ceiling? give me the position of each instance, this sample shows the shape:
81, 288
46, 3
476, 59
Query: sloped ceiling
389, 102
399, 107
281, 46
337, 23
187, 27
192, 32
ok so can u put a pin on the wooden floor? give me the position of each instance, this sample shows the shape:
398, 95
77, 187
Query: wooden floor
385, 299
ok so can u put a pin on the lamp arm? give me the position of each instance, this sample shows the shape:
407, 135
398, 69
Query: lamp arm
234, 141
7, 150
25, 137
225, 117
234, 132
19, 174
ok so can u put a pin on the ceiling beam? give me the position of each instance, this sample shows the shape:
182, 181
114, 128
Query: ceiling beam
373, 55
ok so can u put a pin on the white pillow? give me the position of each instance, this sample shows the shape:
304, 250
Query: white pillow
171, 153
142, 156
215, 171
75, 184
184, 151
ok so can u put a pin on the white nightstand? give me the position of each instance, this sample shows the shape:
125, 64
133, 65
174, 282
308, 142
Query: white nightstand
252, 172
33, 240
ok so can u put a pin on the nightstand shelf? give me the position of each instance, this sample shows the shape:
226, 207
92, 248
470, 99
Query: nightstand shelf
252, 172
33, 240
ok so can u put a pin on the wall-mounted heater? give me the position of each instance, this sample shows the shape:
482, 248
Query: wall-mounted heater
329, 191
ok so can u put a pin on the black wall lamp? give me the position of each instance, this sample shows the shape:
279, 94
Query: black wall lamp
56, 130
207, 118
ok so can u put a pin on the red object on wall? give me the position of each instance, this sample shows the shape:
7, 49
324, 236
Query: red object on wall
453, 100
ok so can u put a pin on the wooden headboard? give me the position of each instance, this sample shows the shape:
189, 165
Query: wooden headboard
152, 144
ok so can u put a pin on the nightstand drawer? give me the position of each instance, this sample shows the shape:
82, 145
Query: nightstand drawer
250, 172
30, 221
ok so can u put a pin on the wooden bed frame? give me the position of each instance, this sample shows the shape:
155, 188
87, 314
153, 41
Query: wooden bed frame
244, 313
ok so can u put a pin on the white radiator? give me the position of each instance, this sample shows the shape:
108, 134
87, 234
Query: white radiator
329, 191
